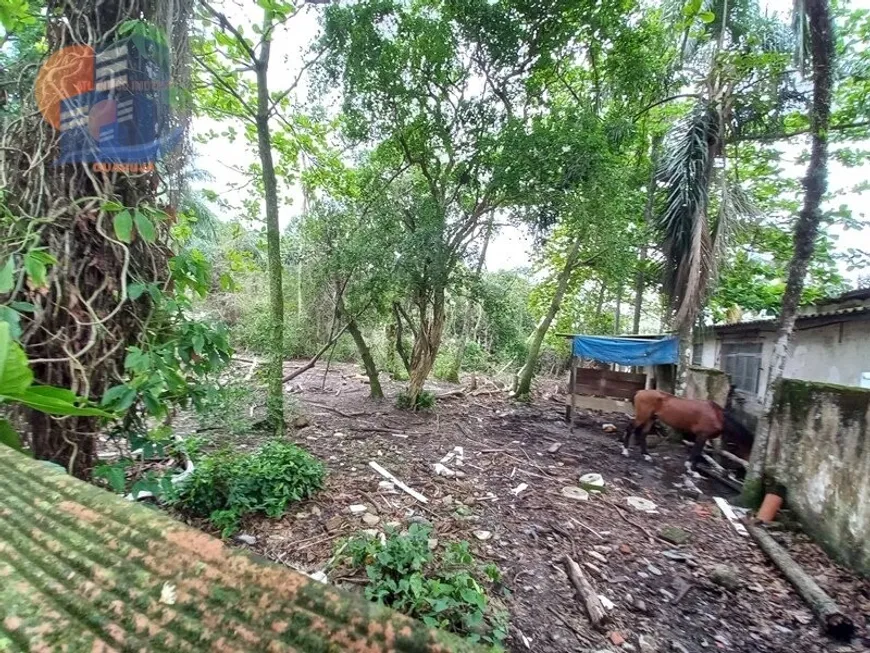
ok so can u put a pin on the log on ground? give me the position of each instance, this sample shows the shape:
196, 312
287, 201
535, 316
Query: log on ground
586, 592
834, 621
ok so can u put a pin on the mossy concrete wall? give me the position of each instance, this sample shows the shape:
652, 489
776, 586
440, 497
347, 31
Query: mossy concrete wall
707, 384
819, 450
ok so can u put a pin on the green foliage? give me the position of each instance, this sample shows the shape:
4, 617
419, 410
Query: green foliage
424, 401
445, 589
17, 388
177, 361
228, 485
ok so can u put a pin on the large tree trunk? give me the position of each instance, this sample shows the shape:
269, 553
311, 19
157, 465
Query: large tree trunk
648, 216
376, 392
686, 336
456, 367
274, 372
83, 320
807, 227
639, 287
523, 385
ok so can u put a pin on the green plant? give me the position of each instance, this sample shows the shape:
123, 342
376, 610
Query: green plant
227, 485
444, 589
424, 401
17, 388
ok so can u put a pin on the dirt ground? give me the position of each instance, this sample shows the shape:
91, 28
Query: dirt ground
664, 595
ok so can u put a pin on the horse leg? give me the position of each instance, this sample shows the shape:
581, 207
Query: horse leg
695, 455
626, 440
642, 437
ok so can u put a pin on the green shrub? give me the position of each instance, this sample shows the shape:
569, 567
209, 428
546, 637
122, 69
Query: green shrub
443, 367
425, 401
445, 590
227, 485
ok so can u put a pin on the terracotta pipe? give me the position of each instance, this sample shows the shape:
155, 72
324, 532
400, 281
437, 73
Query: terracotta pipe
769, 507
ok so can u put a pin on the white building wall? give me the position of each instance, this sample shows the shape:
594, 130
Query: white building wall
839, 353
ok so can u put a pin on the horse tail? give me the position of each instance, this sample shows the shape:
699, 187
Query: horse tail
736, 433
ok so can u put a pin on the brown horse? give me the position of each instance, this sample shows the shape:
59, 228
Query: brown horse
706, 420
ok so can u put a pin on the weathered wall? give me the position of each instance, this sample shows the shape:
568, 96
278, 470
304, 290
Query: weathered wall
838, 353
708, 384
835, 353
819, 450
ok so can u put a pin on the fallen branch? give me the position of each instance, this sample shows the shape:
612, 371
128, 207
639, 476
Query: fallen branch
834, 621
336, 411
310, 364
581, 638
725, 480
727, 455
588, 528
628, 521
585, 591
383, 472
452, 393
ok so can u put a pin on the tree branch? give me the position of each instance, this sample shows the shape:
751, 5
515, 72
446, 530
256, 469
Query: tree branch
295, 83
220, 81
225, 24
667, 99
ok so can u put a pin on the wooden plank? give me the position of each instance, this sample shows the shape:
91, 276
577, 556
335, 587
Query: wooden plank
590, 374
606, 391
604, 404
573, 391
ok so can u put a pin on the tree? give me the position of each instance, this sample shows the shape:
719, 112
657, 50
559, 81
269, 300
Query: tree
822, 54
597, 210
236, 67
409, 75
79, 238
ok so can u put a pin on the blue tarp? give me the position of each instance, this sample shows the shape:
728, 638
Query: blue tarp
628, 351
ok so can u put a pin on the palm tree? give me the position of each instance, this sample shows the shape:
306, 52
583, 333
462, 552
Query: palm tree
702, 204
816, 16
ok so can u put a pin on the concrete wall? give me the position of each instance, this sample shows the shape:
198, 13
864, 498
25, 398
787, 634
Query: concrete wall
707, 384
836, 353
819, 450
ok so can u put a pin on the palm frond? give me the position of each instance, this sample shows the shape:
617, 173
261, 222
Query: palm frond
685, 172
736, 208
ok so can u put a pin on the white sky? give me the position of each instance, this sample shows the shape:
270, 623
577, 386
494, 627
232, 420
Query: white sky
511, 248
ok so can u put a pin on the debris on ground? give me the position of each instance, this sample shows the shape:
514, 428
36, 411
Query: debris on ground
674, 535
577, 493
592, 482
507, 445
641, 504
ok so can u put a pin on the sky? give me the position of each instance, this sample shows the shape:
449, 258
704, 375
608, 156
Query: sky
512, 247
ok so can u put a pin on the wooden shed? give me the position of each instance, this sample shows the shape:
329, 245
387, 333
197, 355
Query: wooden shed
635, 363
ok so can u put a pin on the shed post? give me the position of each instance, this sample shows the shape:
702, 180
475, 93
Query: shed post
650, 375
572, 409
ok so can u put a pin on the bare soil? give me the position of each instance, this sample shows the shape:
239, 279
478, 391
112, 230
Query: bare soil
663, 593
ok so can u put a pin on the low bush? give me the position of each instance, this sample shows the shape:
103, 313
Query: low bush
446, 589
228, 485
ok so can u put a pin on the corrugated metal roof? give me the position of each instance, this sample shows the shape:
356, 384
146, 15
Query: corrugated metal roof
83, 570
801, 318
